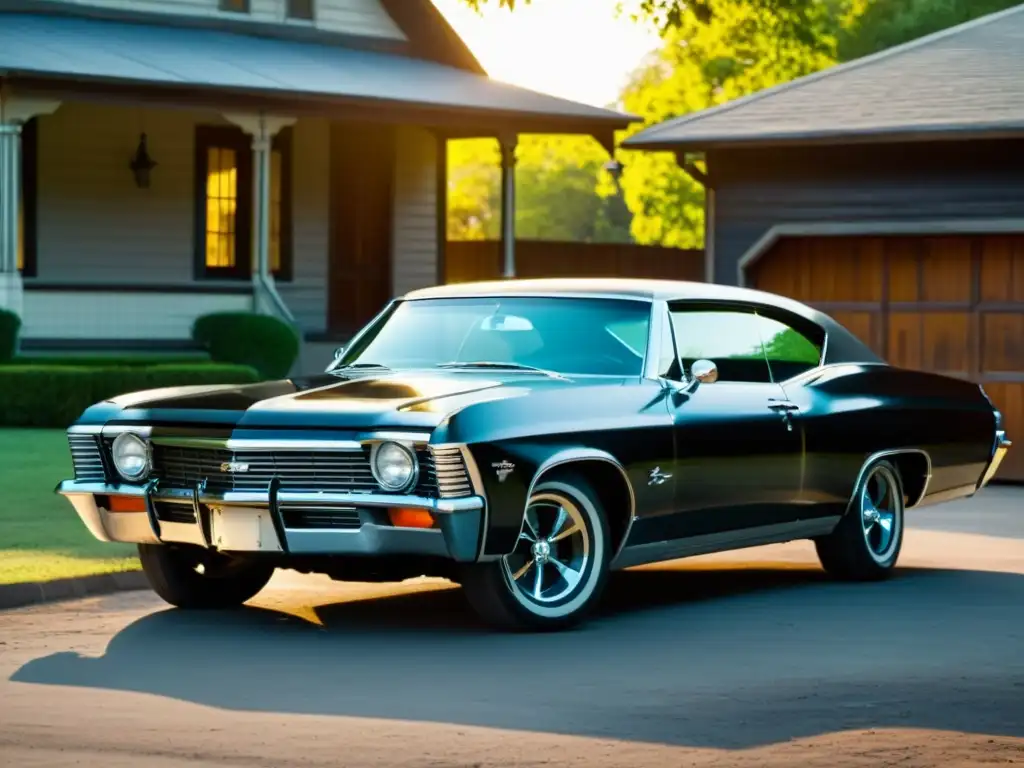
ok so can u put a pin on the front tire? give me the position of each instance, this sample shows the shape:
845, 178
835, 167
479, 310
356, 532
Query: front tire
190, 577
558, 571
867, 542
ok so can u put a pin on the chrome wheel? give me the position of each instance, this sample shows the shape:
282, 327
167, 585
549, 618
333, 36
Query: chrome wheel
552, 556
880, 506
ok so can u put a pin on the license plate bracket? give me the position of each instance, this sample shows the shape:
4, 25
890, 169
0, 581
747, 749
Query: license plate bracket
243, 529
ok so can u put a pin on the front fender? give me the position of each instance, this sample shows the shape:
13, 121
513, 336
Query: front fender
509, 472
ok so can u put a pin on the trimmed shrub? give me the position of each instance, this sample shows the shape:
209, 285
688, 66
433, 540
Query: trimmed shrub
55, 396
269, 345
104, 360
10, 327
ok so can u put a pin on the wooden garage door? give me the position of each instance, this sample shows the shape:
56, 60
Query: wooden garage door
953, 305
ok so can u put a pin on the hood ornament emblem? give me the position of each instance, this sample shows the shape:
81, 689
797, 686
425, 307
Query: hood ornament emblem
503, 469
234, 467
657, 477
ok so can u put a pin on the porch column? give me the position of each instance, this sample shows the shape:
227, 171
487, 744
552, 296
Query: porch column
507, 144
14, 113
263, 128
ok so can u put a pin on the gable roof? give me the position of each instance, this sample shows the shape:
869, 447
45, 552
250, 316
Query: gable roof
961, 81
83, 51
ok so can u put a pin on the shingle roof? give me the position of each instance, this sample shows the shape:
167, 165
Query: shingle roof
103, 51
963, 79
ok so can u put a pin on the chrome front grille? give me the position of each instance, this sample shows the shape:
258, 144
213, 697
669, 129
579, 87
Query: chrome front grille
86, 458
452, 474
226, 471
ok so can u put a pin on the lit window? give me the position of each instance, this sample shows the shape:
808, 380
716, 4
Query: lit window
221, 207
225, 211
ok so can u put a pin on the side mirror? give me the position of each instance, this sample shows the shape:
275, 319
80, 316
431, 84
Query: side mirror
704, 371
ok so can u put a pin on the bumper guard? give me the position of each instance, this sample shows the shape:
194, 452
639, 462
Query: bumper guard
253, 522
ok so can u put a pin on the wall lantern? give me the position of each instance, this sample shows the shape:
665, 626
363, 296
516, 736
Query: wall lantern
142, 164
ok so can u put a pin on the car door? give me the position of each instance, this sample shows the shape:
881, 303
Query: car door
739, 452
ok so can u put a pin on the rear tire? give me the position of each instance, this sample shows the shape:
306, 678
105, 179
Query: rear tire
867, 542
566, 541
194, 578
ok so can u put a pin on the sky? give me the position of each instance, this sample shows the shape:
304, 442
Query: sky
576, 49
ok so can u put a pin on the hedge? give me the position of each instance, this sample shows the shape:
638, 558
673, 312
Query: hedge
55, 396
269, 345
10, 327
105, 360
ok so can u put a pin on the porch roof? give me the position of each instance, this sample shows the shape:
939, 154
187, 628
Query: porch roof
48, 50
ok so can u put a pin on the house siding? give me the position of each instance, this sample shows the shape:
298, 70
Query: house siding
415, 241
96, 227
352, 17
758, 189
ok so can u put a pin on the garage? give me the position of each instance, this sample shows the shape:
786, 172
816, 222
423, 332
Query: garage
949, 304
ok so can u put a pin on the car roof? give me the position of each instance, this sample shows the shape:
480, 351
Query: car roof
842, 346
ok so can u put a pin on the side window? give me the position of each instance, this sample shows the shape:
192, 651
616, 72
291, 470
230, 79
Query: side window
788, 351
731, 339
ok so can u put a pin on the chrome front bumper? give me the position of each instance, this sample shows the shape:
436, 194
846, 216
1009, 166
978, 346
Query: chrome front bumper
248, 522
1002, 445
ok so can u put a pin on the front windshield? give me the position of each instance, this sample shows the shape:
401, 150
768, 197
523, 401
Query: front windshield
565, 335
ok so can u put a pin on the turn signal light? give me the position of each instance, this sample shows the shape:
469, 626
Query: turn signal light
123, 503
402, 517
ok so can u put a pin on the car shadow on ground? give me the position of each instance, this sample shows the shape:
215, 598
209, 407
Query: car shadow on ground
726, 658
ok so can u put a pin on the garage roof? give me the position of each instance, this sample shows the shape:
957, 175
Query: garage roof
966, 79
42, 46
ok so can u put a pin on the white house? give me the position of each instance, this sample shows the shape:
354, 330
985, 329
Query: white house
161, 159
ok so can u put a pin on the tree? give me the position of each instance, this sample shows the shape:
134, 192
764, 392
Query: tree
562, 191
873, 25
704, 61
718, 50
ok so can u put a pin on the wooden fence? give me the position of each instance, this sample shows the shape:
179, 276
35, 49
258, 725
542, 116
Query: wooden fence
469, 260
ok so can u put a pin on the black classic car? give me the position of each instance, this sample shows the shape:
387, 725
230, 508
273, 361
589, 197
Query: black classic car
524, 438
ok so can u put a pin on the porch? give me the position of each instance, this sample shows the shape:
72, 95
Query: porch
318, 210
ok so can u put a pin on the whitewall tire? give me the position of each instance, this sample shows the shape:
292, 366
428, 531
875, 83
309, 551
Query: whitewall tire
867, 542
558, 570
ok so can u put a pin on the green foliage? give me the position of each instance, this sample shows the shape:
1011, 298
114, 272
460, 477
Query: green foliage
791, 347
10, 327
55, 396
104, 360
707, 59
265, 343
715, 51
562, 191
874, 25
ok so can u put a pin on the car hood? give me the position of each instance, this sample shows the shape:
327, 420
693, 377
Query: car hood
399, 399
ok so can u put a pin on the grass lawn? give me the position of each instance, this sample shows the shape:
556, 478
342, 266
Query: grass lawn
41, 537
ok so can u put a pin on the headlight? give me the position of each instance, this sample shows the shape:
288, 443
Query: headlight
394, 466
131, 456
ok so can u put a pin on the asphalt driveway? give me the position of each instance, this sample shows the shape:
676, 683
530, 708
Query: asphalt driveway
747, 658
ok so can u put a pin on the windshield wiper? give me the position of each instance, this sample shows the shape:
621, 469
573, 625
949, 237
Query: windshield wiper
506, 366
360, 366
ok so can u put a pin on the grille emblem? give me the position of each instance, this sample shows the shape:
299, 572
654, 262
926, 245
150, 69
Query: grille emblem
234, 467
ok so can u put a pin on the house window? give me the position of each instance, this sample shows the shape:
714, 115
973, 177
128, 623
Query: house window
26, 256
300, 9
224, 204
235, 6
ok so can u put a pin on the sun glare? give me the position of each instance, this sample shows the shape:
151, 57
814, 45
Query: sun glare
575, 49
